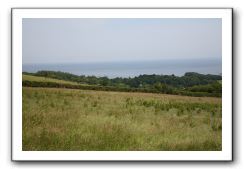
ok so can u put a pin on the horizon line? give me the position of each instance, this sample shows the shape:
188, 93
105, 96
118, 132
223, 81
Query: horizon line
126, 61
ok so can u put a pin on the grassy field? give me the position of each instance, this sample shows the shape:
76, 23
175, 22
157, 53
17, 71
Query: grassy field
66, 119
45, 79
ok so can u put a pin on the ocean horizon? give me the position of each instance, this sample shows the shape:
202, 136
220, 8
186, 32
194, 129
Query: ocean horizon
132, 68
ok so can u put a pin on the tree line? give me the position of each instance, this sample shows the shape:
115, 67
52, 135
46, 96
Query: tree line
191, 83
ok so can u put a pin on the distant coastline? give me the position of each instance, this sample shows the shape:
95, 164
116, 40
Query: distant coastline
132, 69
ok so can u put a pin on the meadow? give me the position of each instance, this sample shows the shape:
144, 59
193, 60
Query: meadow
58, 119
45, 79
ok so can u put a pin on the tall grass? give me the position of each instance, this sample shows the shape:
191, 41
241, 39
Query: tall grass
65, 119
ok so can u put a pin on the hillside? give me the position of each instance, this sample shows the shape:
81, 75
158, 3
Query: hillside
45, 79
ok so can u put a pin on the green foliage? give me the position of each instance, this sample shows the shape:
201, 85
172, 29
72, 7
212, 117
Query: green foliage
191, 84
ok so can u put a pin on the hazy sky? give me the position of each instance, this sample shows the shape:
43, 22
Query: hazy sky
96, 40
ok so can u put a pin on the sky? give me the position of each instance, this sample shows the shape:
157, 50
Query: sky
72, 40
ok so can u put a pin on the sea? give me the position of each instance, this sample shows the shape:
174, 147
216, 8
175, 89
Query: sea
133, 68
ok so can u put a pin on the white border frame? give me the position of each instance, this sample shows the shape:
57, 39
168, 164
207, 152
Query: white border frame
19, 155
